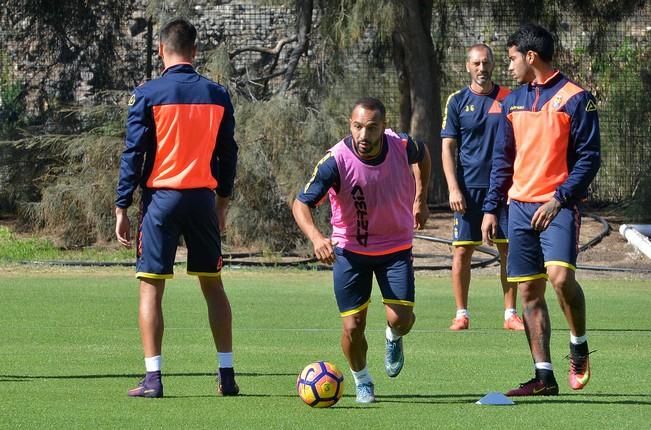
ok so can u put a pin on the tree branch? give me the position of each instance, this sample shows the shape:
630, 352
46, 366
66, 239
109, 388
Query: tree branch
303, 27
272, 51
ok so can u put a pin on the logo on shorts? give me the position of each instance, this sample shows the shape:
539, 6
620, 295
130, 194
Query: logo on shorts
362, 215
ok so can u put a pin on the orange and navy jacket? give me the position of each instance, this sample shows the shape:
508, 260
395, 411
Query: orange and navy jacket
548, 144
180, 135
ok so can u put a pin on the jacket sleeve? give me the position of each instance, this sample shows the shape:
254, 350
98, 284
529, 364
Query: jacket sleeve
502, 167
139, 137
584, 151
224, 162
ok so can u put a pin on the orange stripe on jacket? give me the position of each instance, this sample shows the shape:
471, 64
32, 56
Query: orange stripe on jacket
186, 135
541, 140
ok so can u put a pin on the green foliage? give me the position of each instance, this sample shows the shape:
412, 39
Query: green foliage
24, 249
280, 142
12, 105
346, 21
218, 65
78, 190
16, 248
165, 10
622, 90
637, 209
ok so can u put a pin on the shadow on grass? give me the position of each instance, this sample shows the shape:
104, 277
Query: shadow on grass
620, 330
26, 378
587, 399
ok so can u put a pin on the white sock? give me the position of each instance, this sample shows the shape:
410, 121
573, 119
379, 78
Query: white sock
462, 313
362, 377
578, 340
509, 312
544, 365
225, 359
391, 334
153, 364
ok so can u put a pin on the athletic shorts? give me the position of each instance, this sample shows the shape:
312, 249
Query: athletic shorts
353, 279
531, 251
467, 226
165, 215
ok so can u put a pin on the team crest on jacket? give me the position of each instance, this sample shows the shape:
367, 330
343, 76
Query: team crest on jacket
132, 100
557, 102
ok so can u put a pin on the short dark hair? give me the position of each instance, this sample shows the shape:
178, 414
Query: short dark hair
179, 36
532, 37
481, 46
371, 103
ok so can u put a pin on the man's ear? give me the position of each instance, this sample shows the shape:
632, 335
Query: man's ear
160, 50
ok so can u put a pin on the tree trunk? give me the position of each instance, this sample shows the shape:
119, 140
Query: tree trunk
303, 27
419, 81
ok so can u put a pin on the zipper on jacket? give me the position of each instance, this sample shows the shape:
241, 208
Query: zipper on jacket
535, 101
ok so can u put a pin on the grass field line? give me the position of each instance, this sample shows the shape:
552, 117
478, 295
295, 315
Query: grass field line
481, 331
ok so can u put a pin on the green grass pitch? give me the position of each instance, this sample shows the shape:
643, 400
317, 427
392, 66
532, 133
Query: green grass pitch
70, 349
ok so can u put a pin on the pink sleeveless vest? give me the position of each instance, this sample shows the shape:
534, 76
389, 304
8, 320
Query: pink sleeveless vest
372, 213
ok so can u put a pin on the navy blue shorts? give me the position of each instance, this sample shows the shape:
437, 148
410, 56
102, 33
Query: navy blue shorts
353, 279
165, 215
530, 251
467, 226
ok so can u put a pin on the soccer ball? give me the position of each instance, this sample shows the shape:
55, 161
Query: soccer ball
320, 384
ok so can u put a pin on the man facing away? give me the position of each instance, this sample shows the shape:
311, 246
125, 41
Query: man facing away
377, 184
547, 154
180, 149
469, 130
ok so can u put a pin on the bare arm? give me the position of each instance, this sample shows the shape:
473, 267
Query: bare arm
123, 227
222, 211
489, 228
323, 246
449, 159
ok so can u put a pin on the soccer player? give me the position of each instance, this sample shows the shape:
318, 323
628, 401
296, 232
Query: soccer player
180, 149
469, 128
546, 155
377, 184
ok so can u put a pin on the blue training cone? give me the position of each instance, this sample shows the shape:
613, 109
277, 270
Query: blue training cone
496, 399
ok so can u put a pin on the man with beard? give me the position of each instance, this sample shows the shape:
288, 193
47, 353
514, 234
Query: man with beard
469, 130
377, 183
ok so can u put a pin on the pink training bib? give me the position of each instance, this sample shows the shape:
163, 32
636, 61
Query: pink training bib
372, 213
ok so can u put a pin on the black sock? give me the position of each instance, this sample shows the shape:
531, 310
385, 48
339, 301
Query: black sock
580, 349
545, 375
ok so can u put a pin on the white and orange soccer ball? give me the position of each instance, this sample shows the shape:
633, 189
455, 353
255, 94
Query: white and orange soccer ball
320, 384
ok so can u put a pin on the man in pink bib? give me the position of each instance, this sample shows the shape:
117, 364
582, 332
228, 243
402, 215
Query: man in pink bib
377, 182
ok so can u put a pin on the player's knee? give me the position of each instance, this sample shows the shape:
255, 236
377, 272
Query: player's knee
531, 293
402, 322
464, 252
561, 278
462, 257
353, 328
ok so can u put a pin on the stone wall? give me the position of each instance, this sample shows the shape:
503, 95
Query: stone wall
107, 63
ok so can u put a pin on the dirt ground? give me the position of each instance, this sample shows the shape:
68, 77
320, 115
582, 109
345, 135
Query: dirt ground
612, 251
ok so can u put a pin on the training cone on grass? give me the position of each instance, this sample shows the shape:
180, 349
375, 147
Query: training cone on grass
495, 399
